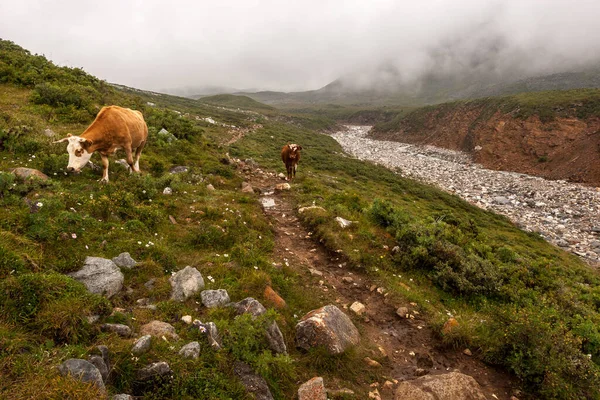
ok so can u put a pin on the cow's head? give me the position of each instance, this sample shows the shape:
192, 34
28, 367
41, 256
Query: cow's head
78, 149
295, 148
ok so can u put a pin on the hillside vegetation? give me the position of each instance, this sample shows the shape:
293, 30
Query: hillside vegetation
231, 100
521, 303
551, 134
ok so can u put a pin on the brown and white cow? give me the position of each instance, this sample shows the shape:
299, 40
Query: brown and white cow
114, 128
290, 155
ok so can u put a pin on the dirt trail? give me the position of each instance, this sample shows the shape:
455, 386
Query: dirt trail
409, 343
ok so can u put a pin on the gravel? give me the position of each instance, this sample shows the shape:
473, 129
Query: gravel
563, 213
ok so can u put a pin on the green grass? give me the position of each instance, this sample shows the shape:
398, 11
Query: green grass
231, 100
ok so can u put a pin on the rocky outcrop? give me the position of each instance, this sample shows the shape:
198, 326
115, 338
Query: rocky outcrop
328, 327
100, 276
186, 283
452, 386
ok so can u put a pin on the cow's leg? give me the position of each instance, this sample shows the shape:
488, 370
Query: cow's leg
129, 157
138, 153
295, 168
289, 171
104, 169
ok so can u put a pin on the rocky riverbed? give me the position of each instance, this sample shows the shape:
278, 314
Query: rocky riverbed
564, 213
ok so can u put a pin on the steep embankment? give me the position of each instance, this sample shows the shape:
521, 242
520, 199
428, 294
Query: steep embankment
555, 135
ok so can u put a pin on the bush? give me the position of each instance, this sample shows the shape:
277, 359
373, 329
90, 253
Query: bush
52, 304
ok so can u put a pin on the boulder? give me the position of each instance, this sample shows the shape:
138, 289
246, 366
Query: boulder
141, 345
190, 350
159, 329
328, 327
186, 283
83, 370
100, 276
214, 298
253, 383
314, 389
124, 260
119, 329
249, 306
29, 173
452, 386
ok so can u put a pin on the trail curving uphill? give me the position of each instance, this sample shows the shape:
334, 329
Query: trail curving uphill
566, 214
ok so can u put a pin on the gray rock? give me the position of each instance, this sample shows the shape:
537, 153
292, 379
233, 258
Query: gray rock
150, 284
250, 306
210, 188
329, 327
123, 162
99, 363
452, 386
267, 202
562, 243
167, 191
275, 339
100, 276
124, 260
119, 329
179, 169
186, 283
214, 298
343, 223
166, 135
253, 383
49, 132
122, 396
501, 200
314, 389
29, 173
105, 356
190, 350
142, 345
153, 371
83, 370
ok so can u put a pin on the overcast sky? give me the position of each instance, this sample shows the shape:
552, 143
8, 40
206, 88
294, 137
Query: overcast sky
299, 45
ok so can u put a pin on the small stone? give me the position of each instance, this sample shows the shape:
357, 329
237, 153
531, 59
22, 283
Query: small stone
313, 389
98, 361
185, 283
142, 345
281, 175
187, 319
267, 202
315, 272
358, 308
283, 186
273, 298
156, 370
214, 298
344, 223
372, 363
253, 383
167, 191
29, 173
387, 386
124, 260
159, 329
247, 188
402, 312
172, 220
374, 395
122, 396
83, 370
347, 279
190, 350
467, 352
210, 188
49, 132
302, 210
335, 393
178, 169
119, 329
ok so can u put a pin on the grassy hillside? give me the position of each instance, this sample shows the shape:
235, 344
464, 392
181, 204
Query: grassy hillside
231, 100
521, 303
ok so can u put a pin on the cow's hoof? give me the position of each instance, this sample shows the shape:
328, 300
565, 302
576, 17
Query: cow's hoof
103, 181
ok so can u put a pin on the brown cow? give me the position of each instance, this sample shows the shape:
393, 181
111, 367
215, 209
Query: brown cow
114, 128
290, 155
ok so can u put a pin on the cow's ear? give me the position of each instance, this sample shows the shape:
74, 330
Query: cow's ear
69, 135
299, 147
86, 143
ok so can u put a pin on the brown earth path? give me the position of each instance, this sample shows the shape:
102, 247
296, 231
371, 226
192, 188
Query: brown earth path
409, 343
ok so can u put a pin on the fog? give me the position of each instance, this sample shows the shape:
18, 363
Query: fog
302, 45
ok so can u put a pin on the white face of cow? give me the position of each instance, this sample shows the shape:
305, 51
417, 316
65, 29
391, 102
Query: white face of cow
78, 155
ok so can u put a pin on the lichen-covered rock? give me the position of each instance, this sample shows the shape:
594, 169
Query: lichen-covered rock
249, 306
328, 327
215, 298
29, 173
83, 370
186, 283
159, 329
253, 383
124, 260
99, 363
153, 371
142, 345
314, 389
100, 276
190, 350
452, 386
